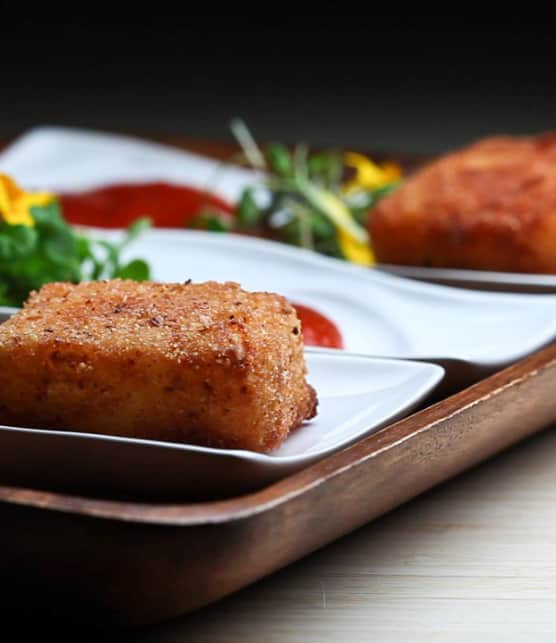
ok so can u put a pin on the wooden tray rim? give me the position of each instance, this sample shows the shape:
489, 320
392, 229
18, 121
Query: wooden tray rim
241, 507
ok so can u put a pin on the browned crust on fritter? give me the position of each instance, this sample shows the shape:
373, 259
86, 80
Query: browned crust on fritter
202, 363
490, 206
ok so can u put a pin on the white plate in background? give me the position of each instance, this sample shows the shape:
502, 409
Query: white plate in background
71, 159
61, 159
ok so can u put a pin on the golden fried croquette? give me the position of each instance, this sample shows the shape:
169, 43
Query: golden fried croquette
490, 206
207, 363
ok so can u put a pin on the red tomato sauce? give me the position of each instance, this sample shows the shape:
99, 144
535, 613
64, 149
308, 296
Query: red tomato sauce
116, 206
172, 206
318, 330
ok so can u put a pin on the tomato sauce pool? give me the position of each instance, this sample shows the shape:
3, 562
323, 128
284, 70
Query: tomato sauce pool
318, 330
116, 206
172, 206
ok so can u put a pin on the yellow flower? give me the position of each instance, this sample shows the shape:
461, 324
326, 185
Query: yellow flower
16, 204
354, 250
369, 175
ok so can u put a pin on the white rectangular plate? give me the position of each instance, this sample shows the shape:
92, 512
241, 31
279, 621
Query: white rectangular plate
357, 395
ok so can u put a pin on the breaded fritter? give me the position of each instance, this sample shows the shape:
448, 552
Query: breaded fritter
207, 363
490, 206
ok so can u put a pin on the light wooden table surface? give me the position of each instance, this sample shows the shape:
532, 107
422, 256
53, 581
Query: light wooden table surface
472, 560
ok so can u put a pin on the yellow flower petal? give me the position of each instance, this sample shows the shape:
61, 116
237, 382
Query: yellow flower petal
9, 192
18, 216
354, 250
369, 175
392, 172
16, 204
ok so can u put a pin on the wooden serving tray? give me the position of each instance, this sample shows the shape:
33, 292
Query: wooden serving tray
126, 562
116, 562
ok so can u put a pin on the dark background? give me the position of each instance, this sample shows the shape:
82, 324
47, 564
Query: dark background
344, 80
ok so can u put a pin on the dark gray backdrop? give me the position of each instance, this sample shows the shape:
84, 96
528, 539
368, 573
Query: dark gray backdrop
369, 85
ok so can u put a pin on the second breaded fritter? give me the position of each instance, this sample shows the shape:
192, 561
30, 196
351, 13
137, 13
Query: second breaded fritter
206, 363
490, 206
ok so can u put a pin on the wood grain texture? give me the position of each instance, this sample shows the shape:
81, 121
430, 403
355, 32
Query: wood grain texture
472, 560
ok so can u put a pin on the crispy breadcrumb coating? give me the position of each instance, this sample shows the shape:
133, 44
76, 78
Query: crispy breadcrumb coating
489, 206
207, 363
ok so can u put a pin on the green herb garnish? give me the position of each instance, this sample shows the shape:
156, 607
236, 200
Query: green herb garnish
38, 246
316, 200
